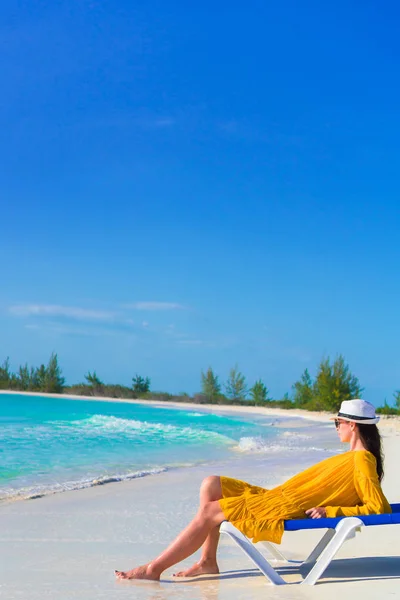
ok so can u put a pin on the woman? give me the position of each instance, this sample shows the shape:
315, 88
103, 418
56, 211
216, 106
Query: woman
344, 485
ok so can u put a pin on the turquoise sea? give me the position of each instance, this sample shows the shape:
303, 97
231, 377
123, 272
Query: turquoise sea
57, 444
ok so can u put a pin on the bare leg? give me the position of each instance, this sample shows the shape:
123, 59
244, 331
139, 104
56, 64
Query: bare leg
210, 491
187, 542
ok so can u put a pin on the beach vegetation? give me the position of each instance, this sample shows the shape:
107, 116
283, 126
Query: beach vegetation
140, 385
210, 387
93, 380
41, 379
333, 383
259, 393
54, 381
25, 376
303, 390
235, 387
5, 374
94, 383
285, 402
386, 409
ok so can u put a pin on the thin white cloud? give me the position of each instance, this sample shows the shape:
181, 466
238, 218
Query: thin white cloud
80, 331
84, 329
155, 306
54, 310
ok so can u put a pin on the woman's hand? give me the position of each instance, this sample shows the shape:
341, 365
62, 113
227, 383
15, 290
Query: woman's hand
318, 512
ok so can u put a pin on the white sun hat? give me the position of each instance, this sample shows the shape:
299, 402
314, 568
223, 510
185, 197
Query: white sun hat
358, 411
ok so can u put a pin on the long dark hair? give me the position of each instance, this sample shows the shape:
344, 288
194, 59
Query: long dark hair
371, 439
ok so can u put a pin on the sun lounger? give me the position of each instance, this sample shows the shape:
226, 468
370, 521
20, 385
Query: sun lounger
339, 530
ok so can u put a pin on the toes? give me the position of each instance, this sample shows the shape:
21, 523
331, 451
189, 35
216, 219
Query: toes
119, 574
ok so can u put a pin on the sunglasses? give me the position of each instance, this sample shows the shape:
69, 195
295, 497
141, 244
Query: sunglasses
339, 423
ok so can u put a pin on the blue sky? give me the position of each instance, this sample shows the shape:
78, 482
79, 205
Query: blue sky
185, 186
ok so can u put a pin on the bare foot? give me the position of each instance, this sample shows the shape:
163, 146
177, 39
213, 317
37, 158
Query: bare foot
143, 572
200, 568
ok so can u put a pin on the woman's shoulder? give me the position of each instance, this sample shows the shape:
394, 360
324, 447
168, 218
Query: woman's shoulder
336, 461
365, 462
362, 459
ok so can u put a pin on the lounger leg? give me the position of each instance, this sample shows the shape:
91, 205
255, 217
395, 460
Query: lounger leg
255, 556
345, 529
324, 541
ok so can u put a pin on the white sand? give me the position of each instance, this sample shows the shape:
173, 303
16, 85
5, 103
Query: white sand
66, 546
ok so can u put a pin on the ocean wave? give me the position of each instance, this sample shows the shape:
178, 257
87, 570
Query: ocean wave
295, 434
106, 426
261, 445
33, 492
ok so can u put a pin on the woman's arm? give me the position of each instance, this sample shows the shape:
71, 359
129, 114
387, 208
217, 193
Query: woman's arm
375, 504
368, 488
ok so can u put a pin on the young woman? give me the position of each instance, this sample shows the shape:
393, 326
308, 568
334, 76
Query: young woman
344, 485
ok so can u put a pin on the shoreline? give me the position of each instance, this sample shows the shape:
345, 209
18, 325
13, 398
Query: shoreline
391, 422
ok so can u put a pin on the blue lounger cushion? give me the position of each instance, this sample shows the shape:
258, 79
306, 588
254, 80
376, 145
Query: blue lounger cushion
386, 519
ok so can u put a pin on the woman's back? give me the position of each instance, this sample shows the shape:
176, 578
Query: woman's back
346, 484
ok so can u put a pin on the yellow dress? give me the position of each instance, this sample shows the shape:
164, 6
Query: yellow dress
346, 485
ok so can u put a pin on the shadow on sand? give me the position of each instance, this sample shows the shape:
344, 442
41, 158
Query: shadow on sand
340, 570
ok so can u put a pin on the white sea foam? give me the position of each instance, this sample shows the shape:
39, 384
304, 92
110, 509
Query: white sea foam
263, 445
106, 426
38, 491
295, 434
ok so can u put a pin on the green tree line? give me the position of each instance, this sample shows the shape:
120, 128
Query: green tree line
333, 383
46, 378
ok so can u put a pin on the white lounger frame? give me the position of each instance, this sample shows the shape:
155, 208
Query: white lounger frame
318, 560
